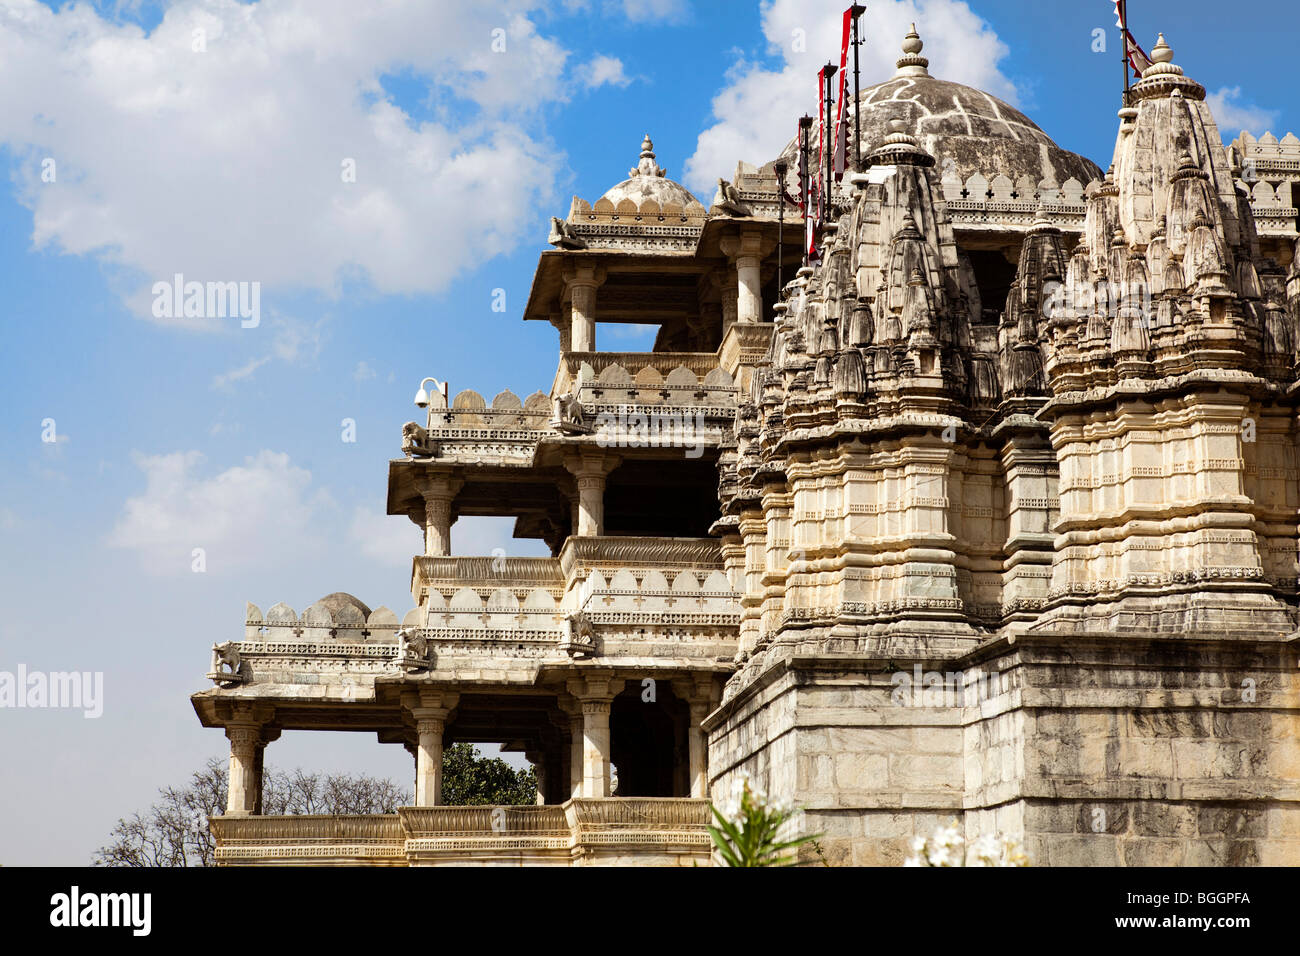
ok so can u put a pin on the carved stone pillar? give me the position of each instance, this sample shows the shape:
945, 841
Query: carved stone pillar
565, 328
701, 697
428, 760
698, 754
430, 710
746, 252
439, 491
538, 759
595, 748
575, 755
258, 768
589, 473
596, 696
727, 290
567, 755
248, 734
580, 283
241, 792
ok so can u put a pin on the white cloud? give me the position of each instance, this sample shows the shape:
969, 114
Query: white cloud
601, 70
363, 372
756, 111
1232, 116
228, 164
644, 11
245, 516
240, 372
291, 341
636, 11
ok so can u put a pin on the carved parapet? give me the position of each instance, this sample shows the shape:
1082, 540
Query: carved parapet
670, 227
496, 606
634, 831
319, 624
674, 378
977, 203
302, 838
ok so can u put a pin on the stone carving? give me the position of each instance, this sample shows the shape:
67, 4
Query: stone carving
414, 652
1012, 449
416, 443
578, 639
727, 201
225, 664
563, 237
569, 414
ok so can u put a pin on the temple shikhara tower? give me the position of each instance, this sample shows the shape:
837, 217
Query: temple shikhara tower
986, 509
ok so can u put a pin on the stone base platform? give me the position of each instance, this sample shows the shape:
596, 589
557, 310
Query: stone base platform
1091, 749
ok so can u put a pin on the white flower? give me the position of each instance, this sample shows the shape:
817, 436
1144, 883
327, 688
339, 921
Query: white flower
986, 851
948, 837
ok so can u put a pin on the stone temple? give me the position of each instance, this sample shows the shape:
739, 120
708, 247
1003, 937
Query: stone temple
990, 513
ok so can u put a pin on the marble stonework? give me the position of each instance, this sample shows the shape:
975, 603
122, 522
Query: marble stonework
989, 512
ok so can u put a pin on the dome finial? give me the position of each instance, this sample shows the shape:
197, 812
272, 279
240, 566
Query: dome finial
912, 43
911, 63
1162, 52
647, 166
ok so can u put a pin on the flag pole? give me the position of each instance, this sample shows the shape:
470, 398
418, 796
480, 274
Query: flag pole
831, 70
805, 181
1123, 46
857, 10
780, 225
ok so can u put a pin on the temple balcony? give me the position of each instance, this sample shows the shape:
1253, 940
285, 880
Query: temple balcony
612, 831
600, 399
645, 378
664, 605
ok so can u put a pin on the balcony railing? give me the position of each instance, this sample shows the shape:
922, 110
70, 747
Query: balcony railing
643, 831
646, 378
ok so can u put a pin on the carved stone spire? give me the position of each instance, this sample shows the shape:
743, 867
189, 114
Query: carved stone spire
899, 148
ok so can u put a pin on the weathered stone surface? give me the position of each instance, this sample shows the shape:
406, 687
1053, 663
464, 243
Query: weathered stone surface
987, 516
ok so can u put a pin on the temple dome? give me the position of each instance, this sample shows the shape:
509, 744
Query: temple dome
966, 130
648, 180
340, 599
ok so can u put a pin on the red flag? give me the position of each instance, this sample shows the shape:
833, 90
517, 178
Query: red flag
1137, 58
840, 129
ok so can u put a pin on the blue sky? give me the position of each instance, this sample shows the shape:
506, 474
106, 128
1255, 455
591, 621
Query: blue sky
225, 163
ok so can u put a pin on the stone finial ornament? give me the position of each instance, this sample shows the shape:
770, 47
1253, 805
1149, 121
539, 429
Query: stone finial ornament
647, 166
1162, 52
911, 63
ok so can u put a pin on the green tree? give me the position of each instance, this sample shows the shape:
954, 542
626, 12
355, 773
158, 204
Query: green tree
469, 778
174, 830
